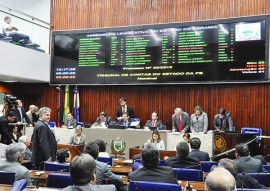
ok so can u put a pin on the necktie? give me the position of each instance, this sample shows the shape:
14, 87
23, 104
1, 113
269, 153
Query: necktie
153, 123
123, 109
179, 125
21, 115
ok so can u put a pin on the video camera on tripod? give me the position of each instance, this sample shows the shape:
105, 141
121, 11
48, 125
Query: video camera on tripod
10, 101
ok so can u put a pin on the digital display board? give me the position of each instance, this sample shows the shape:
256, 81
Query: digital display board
217, 51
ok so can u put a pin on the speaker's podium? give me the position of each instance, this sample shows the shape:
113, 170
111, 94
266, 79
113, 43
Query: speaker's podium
224, 143
73, 149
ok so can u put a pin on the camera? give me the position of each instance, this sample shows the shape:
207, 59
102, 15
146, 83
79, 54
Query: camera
11, 100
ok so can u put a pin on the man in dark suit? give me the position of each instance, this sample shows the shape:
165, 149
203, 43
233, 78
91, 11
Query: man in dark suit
70, 122
44, 144
125, 121
154, 122
103, 120
246, 163
21, 115
83, 175
124, 108
180, 121
150, 170
103, 171
182, 160
195, 144
5, 130
223, 121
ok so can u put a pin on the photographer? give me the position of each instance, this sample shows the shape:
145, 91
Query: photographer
5, 130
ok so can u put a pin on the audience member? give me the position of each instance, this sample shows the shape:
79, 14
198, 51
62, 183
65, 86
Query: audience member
63, 155
246, 163
180, 121
242, 180
150, 170
21, 115
102, 148
35, 116
223, 121
103, 171
5, 130
103, 120
182, 160
29, 113
195, 144
125, 121
220, 179
15, 134
83, 175
124, 108
14, 158
70, 122
198, 121
78, 138
28, 153
12, 31
154, 122
156, 141
43, 140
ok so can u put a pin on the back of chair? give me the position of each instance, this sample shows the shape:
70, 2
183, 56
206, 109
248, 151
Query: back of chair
80, 123
207, 165
19, 185
250, 189
59, 180
266, 167
105, 160
56, 166
263, 178
188, 174
51, 124
136, 166
152, 186
7, 177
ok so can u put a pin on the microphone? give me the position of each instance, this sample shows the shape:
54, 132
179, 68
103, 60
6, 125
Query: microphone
77, 150
242, 182
108, 144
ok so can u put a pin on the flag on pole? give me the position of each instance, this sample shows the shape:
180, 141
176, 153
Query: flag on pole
66, 104
59, 107
76, 104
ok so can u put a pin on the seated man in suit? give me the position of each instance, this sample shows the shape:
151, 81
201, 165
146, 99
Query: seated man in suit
103, 171
83, 175
182, 160
223, 121
195, 144
154, 122
220, 179
124, 108
125, 121
246, 163
63, 155
28, 153
103, 120
150, 170
70, 122
180, 121
14, 158
242, 180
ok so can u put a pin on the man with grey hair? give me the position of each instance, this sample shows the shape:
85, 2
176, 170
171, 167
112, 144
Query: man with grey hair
220, 179
43, 140
83, 175
14, 158
28, 153
242, 180
180, 121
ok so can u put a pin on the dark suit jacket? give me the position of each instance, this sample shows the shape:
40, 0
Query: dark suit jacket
107, 122
154, 174
158, 124
43, 143
5, 130
227, 122
90, 187
176, 162
246, 181
72, 123
121, 122
185, 122
248, 164
200, 155
129, 111
24, 115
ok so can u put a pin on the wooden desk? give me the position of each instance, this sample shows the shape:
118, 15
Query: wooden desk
122, 162
125, 170
195, 185
163, 154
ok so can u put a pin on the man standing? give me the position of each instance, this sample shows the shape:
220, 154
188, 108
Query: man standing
180, 121
21, 115
5, 131
223, 121
43, 140
124, 108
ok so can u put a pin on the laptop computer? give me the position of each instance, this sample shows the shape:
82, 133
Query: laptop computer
116, 126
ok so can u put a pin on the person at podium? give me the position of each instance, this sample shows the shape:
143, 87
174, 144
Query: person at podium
103, 120
180, 121
70, 122
78, 138
154, 122
124, 108
125, 121
223, 121
198, 121
156, 141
